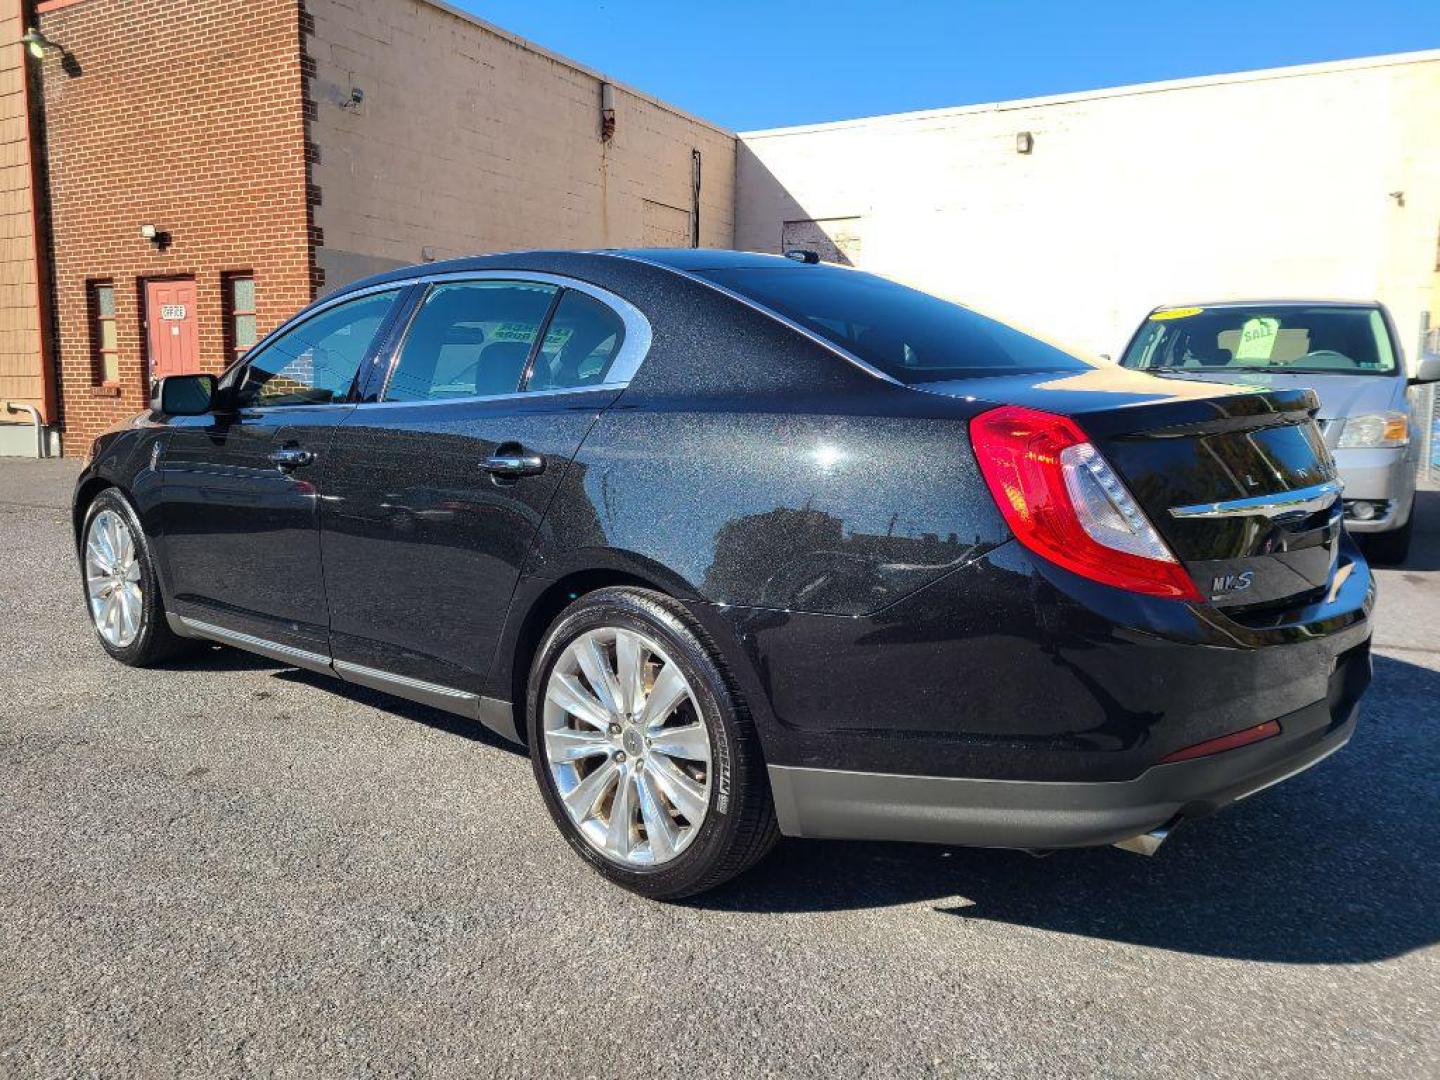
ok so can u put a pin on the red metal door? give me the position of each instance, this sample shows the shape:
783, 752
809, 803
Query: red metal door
170, 326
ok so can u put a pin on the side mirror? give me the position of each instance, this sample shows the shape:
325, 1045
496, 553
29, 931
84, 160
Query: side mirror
184, 395
1427, 371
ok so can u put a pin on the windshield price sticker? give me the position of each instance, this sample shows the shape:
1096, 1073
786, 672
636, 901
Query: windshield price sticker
1257, 339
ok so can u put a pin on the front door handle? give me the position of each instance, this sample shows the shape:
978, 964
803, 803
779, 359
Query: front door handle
291, 457
513, 460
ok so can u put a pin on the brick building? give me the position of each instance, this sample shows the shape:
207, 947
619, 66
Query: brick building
179, 177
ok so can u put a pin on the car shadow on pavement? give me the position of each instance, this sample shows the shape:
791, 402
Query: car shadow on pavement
209, 657
220, 658
1338, 865
438, 719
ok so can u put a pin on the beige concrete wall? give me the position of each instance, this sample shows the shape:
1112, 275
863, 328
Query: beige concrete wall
1261, 184
470, 140
22, 375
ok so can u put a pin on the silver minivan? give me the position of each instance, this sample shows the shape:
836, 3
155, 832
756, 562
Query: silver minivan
1348, 354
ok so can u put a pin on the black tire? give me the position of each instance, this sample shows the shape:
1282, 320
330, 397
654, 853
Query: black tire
1391, 547
739, 828
155, 642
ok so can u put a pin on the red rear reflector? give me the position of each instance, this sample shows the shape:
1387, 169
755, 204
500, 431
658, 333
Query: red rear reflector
1035, 477
1225, 742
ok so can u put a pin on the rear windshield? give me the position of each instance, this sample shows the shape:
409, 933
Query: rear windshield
1318, 339
910, 335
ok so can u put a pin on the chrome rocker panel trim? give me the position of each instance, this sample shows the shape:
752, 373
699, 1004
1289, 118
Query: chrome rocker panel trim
185, 626
839, 805
442, 697
497, 715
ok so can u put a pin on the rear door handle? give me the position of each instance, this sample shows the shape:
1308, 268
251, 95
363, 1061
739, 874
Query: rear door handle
291, 457
513, 460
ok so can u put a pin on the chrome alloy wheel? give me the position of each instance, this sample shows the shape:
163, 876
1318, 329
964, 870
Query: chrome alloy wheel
112, 579
627, 747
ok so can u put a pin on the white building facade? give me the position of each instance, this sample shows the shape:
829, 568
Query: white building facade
1075, 215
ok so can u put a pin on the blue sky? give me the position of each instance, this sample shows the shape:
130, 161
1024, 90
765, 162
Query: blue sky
752, 64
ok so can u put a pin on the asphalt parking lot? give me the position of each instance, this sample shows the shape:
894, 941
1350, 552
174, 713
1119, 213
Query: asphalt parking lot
229, 868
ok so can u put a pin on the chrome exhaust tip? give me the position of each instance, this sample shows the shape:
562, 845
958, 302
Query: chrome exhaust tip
1146, 843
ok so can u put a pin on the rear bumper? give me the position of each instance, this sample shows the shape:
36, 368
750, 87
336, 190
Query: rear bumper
835, 804
988, 812
1000, 673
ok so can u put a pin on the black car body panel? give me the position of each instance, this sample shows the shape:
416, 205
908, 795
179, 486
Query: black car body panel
807, 512
221, 493
1006, 670
830, 530
403, 494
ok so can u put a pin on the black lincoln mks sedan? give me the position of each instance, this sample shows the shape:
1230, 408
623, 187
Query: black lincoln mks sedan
741, 546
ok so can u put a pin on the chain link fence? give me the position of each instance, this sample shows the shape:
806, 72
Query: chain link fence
1427, 406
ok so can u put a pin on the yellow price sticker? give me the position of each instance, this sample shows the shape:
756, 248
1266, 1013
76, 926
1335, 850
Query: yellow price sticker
1175, 313
1257, 339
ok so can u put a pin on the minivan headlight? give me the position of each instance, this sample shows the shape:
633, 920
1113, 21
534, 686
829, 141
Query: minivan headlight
1375, 430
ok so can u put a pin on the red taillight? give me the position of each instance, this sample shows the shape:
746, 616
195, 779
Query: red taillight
1225, 742
1063, 502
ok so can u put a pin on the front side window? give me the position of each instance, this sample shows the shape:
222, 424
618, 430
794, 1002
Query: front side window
910, 335
581, 343
104, 338
1301, 339
315, 363
470, 339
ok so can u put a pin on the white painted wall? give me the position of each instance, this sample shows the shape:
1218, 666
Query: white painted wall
1273, 183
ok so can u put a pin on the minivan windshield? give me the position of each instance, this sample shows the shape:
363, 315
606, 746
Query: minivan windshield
910, 335
1303, 339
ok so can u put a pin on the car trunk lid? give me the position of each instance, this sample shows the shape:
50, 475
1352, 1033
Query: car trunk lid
1236, 480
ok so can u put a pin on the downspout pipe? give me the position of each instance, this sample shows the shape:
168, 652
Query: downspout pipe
41, 237
40, 448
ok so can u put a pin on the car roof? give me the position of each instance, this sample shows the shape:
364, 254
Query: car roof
681, 259
705, 258
662, 285
1270, 302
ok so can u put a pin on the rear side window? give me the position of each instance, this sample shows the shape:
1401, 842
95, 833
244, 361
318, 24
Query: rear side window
470, 339
908, 334
580, 344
